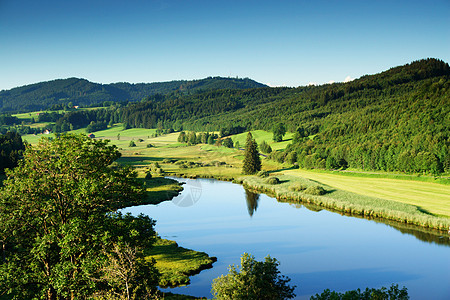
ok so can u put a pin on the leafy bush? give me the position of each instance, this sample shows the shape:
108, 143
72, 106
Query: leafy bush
150, 146
228, 142
132, 144
263, 174
315, 190
298, 187
265, 148
272, 180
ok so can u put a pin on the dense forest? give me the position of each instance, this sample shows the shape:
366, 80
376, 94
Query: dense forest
81, 92
397, 120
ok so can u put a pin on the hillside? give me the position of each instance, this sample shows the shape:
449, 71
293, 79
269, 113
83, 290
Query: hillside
397, 120
43, 95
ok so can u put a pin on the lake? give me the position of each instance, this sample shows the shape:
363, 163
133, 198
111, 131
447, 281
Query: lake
317, 249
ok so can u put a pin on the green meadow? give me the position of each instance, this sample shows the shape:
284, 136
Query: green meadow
176, 263
427, 196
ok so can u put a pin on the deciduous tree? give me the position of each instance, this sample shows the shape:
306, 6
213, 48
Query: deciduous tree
253, 280
55, 218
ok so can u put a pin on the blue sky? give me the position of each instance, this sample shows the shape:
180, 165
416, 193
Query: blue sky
289, 43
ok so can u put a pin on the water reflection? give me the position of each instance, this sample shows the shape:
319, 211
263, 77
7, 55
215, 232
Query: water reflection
252, 201
423, 234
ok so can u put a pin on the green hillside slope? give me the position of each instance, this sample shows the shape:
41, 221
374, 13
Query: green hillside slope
78, 91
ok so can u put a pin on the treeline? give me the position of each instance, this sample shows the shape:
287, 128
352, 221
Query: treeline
62, 93
11, 150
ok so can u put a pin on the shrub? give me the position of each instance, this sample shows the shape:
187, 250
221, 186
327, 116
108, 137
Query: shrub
272, 180
263, 174
150, 146
315, 190
298, 187
265, 148
148, 175
132, 144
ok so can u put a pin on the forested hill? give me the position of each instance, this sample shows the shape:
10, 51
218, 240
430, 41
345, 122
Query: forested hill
82, 92
395, 120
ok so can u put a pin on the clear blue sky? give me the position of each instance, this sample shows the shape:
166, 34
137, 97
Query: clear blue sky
279, 42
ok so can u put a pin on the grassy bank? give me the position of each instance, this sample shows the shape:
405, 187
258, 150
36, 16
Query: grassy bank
427, 196
176, 263
295, 189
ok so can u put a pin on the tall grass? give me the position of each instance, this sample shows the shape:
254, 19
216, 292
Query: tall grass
347, 202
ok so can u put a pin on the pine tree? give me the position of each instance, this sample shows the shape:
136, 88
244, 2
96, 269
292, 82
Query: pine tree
252, 162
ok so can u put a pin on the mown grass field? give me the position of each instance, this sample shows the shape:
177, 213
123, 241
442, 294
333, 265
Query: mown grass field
431, 197
345, 201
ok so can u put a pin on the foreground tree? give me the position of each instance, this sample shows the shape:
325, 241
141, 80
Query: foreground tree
56, 225
252, 162
253, 280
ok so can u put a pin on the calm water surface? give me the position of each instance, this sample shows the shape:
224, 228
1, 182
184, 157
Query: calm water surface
317, 250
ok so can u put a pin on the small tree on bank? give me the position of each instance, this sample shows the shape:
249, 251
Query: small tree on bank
252, 162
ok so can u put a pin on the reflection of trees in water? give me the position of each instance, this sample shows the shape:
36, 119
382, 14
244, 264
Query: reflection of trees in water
423, 234
252, 201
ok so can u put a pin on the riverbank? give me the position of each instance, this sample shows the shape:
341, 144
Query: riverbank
408, 199
176, 263
295, 189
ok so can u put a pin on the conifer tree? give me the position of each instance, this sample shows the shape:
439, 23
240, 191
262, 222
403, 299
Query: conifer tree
252, 162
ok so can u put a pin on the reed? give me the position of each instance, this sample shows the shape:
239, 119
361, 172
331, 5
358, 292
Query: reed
346, 202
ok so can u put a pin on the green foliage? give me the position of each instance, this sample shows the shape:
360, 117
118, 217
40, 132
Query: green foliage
291, 157
393, 293
263, 174
58, 230
315, 190
279, 130
62, 92
297, 187
228, 142
132, 144
182, 137
11, 149
253, 280
252, 162
272, 180
265, 148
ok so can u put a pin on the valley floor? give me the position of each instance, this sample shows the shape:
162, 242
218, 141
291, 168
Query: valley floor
210, 161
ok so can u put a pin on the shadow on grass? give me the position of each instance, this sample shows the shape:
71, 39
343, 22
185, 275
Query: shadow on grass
129, 160
284, 169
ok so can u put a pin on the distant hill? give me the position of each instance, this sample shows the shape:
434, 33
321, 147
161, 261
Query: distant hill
397, 120
79, 91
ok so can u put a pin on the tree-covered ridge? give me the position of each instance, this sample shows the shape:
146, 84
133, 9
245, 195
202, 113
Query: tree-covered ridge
78, 91
395, 120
